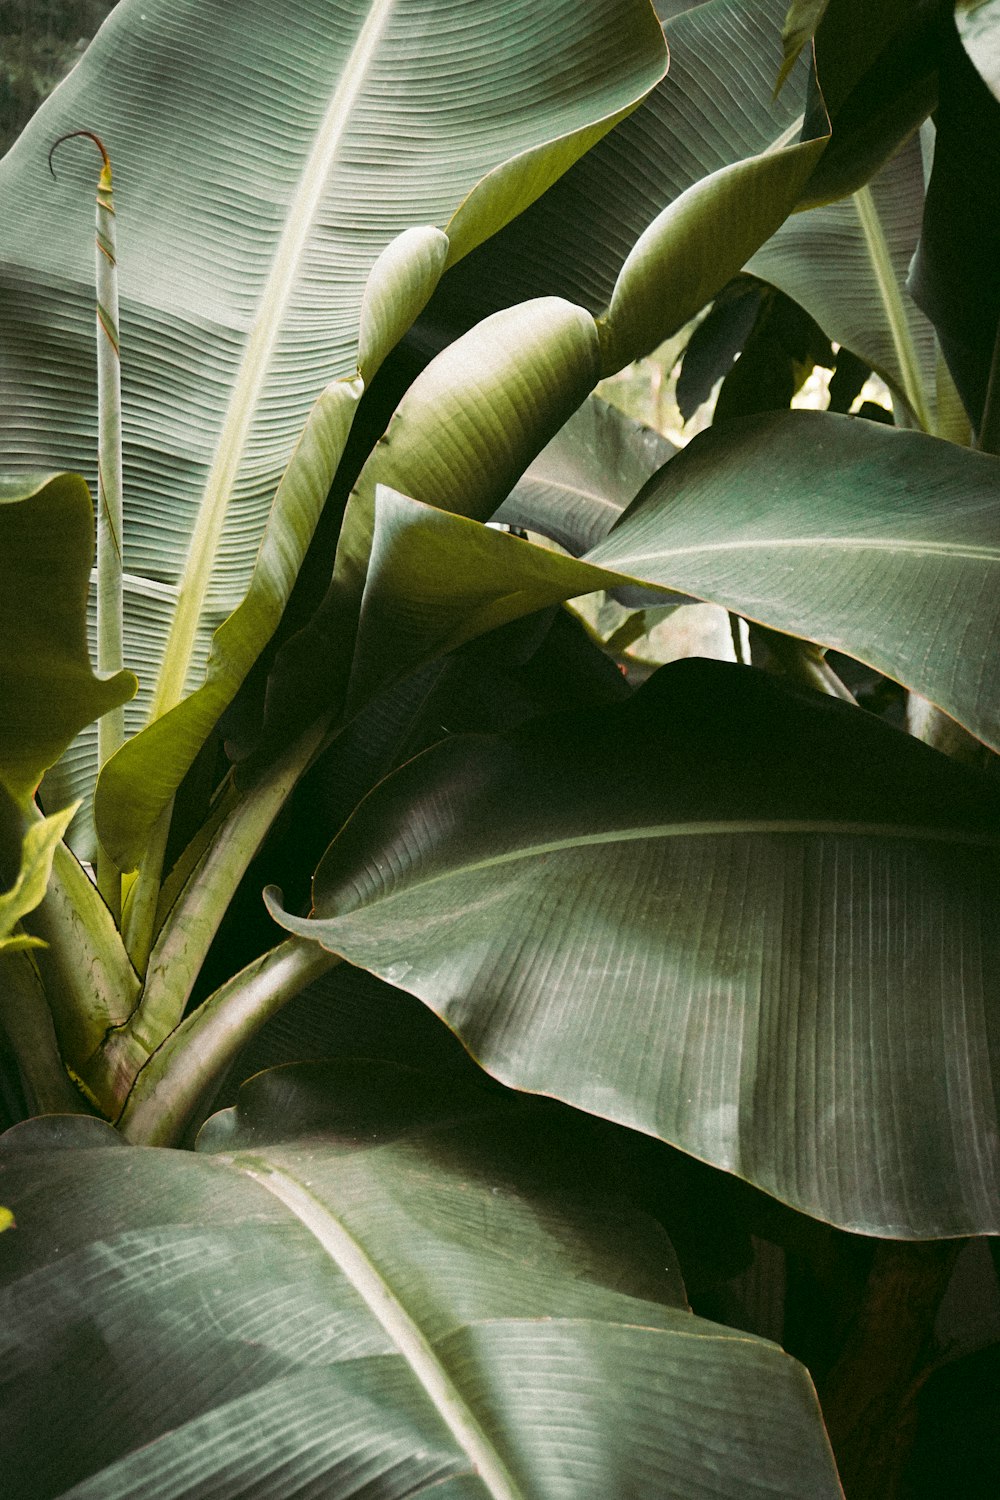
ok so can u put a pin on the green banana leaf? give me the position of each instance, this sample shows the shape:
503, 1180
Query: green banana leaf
877, 69
582, 481
800, 26
462, 436
37, 850
647, 227
369, 1281
846, 263
264, 158
880, 543
48, 690
714, 914
961, 229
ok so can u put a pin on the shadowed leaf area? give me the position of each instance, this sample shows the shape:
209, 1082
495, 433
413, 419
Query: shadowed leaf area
369, 1281
668, 914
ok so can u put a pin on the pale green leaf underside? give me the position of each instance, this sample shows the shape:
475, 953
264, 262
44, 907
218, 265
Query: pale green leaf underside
264, 156
406, 1308
680, 924
978, 24
882, 544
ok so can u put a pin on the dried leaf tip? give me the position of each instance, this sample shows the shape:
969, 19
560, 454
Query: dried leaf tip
91, 136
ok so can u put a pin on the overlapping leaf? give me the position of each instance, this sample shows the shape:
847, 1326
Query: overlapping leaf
665, 210
879, 543
373, 1282
755, 922
582, 481
264, 157
849, 272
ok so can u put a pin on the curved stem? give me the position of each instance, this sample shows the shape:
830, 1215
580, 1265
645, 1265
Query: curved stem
190, 1063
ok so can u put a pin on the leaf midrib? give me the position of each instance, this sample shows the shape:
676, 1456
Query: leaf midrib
965, 551
255, 362
351, 1259
745, 828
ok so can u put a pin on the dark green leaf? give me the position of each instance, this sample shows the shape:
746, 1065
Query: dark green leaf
377, 1284
715, 343
882, 544
713, 915
953, 277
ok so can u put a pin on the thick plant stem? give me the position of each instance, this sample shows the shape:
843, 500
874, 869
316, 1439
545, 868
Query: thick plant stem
798, 660
193, 1059
141, 907
90, 984
191, 925
892, 301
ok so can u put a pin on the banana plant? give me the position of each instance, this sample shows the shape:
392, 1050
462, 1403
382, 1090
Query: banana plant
734, 930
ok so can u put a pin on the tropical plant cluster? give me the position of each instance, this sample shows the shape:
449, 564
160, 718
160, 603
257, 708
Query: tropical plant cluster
498, 947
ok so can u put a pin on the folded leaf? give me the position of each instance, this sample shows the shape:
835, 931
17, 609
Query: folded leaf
879, 543
657, 217
375, 1282
711, 914
310, 137
48, 690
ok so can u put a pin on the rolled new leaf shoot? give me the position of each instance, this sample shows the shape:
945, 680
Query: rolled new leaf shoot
110, 495
110, 628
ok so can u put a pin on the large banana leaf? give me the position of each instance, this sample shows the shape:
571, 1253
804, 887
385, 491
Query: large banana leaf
373, 1284
880, 543
753, 921
702, 174
264, 156
48, 690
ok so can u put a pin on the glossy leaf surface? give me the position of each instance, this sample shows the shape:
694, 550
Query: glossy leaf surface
882, 544
264, 158
750, 920
369, 1282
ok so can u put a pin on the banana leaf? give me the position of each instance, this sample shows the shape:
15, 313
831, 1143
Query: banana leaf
846, 263
647, 227
369, 1280
265, 158
753, 921
48, 690
879, 543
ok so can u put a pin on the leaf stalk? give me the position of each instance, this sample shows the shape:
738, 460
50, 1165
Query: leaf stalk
191, 1062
